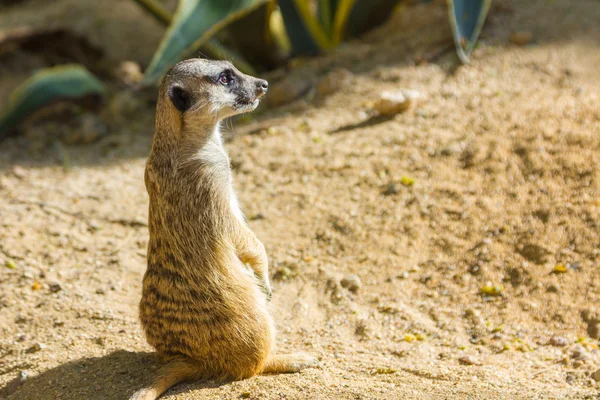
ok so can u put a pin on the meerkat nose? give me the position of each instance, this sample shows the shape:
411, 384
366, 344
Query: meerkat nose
263, 85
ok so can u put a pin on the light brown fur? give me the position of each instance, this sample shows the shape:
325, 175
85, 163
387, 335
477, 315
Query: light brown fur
206, 288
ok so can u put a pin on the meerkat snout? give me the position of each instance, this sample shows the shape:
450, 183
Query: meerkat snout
263, 85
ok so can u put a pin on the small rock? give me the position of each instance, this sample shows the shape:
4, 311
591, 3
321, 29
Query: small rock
19, 172
468, 360
590, 315
471, 155
54, 287
392, 103
553, 288
129, 73
22, 338
256, 217
593, 330
388, 309
390, 190
476, 269
558, 341
362, 328
13, 385
521, 38
403, 275
352, 283
35, 348
579, 352
100, 291
596, 376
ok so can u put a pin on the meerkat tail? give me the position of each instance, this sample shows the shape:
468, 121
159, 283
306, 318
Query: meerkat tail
175, 371
289, 363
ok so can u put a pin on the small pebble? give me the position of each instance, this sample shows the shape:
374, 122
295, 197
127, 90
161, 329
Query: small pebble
558, 341
392, 103
579, 352
54, 287
593, 329
352, 283
129, 73
553, 289
390, 190
19, 172
361, 328
468, 360
596, 376
35, 348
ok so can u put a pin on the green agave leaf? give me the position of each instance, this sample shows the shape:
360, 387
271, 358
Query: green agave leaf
306, 33
326, 11
467, 18
46, 86
194, 22
213, 48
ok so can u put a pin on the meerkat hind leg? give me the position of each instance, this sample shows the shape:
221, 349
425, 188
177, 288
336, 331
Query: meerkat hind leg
173, 372
289, 363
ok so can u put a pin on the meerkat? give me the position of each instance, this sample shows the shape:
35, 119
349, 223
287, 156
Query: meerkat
206, 287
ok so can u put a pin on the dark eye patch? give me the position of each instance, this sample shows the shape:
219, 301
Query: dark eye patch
228, 75
180, 98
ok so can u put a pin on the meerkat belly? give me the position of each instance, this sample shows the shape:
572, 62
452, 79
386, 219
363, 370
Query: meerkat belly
202, 324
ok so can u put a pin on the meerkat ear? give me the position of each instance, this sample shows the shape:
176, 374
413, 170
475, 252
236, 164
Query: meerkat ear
180, 98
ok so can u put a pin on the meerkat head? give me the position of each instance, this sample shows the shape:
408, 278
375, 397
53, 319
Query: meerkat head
200, 89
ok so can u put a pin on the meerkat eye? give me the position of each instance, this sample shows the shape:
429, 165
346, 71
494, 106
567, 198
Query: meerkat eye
180, 98
224, 79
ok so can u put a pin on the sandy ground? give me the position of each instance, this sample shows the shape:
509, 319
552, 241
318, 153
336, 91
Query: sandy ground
491, 181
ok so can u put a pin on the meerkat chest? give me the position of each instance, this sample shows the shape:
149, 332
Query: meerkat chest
214, 155
234, 205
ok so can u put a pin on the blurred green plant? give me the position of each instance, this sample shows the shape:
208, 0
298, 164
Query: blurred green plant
57, 83
253, 34
467, 18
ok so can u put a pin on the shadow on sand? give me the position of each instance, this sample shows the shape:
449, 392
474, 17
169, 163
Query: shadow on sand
115, 376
